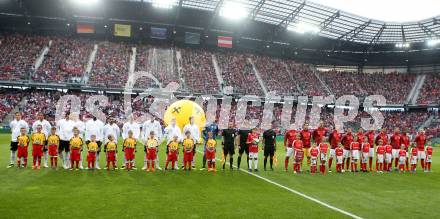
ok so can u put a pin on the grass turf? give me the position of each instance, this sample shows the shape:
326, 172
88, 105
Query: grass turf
199, 194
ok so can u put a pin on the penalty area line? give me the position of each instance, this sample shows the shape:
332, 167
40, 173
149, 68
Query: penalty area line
295, 192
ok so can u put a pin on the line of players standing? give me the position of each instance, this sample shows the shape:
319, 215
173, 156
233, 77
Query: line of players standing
355, 147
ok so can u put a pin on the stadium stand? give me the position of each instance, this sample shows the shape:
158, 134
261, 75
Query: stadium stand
18, 55
66, 60
430, 92
110, 68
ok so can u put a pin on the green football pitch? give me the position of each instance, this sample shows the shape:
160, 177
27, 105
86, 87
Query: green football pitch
46, 193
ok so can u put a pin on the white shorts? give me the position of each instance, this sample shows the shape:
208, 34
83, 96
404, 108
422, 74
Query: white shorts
428, 159
339, 159
253, 155
365, 157
313, 161
380, 158
355, 154
413, 160
402, 160
421, 154
332, 152
346, 154
371, 153
395, 153
388, 158
323, 157
289, 152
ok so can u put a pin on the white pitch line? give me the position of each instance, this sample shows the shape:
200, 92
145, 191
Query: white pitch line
296, 192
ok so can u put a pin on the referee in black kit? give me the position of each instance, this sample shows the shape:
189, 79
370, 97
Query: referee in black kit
243, 147
228, 143
269, 142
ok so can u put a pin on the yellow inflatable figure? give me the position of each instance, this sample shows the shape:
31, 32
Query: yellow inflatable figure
182, 110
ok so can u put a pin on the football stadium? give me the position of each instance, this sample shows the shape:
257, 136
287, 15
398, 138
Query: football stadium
219, 109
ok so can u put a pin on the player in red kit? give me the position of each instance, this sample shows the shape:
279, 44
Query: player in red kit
306, 137
370, 136
319, 133
402, 159
380, 152
360, 136
396, 144
365, 147
339, 152
405, 140
388, 157
382, 136
323, 150
420, 142
346, 141
334, 139
354, 149
428, 157
413, 159
252, 140
314, 152
289, 137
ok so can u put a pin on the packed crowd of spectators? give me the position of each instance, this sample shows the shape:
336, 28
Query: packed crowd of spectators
395, 87
198, 71
307, 81
158, 61
18, 55
274, 74
65, 61
430, 92
8, 101
341, 83
238, 73
111, 66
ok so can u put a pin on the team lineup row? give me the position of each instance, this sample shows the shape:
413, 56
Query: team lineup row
66, 142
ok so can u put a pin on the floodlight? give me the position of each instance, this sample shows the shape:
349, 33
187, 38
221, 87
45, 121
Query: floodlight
233, 10
84, 2
303, 28
402, 45
164, 4
433, 42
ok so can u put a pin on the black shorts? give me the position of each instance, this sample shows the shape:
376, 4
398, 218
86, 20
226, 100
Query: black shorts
64, 146
269, 151
14, 146
243, 148
45, 149
228, 149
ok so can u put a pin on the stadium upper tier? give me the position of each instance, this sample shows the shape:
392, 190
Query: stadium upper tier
59, 59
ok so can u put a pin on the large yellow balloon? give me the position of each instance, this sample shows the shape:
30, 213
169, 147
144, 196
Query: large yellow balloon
182, 110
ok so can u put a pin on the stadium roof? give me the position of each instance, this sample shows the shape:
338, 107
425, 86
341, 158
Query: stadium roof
331, 23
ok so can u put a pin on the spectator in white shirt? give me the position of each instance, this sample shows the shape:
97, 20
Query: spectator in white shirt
152, 125
195, 134
133, 126
46, 130
16, 126
95, 127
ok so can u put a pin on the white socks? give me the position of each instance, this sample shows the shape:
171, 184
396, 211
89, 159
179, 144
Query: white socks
13, 157
97, 160
255, 163
45, 155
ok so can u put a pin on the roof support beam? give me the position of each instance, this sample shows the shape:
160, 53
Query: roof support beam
214, 16
179, 8
427, 30
292, 16
403, 33
324, 24
257, 9
353, 33
376, 37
